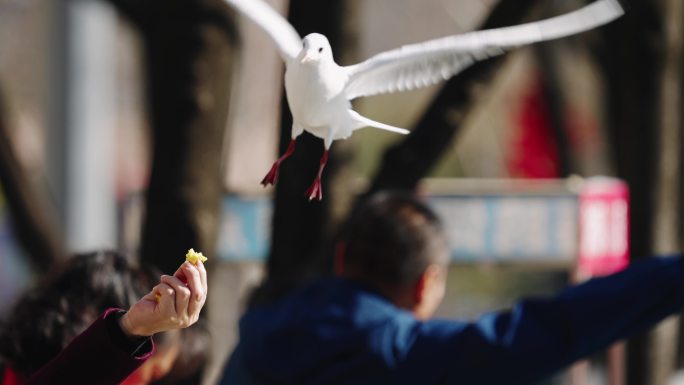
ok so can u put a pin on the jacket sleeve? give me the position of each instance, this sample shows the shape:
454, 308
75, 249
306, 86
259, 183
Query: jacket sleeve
101, 355
539, 337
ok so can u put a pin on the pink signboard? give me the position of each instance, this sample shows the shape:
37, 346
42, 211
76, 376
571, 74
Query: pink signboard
603, 227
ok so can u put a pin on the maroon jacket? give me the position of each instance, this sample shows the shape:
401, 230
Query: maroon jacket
101, 355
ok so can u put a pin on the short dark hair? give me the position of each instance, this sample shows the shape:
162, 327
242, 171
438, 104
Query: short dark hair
391, 238
48, 317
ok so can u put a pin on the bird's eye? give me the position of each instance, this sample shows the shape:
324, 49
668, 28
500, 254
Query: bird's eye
320, 50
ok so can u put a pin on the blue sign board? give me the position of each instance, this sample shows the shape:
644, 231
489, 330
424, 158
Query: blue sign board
245, 230
509, 228
479, 227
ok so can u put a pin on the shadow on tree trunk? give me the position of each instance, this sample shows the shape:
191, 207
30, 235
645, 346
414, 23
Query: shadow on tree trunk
630, 62
188, 46
36, 232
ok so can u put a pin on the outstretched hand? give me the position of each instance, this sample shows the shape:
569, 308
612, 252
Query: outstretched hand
175, 303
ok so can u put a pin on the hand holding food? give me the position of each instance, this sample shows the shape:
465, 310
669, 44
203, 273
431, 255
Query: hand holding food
174, 303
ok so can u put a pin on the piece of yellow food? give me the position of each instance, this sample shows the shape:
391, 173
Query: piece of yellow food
192, 256
157, 297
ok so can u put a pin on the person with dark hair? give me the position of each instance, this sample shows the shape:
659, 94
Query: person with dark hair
404, 238
371, 324
60, 307
49, 317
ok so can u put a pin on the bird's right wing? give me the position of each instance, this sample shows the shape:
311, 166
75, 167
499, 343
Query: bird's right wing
422, 64
285, 37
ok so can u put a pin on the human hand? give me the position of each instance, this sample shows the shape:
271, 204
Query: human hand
175, 303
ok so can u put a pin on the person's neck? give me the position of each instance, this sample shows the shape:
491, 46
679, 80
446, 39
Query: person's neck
400, 296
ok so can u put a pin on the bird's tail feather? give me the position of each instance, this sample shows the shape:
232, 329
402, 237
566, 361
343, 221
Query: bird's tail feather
362, 121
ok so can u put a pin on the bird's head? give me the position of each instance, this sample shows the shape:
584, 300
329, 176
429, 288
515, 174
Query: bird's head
316, 48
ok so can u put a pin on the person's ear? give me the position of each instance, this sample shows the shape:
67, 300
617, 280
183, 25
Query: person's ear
419, 291
340, 249
428, 291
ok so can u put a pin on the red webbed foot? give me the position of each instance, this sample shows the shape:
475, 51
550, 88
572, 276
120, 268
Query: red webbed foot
272, 176
315, 191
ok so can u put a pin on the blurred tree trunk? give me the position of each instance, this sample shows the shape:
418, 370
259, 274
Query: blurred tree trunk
188, 65
188, 46
36, 232
411, 159
666, 223
643, 90
299, 227
630, 61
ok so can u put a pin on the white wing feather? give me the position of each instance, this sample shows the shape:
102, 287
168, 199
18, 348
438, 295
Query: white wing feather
285, 37
423, 64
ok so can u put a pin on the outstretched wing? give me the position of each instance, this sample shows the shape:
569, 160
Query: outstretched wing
285, 37
423, 64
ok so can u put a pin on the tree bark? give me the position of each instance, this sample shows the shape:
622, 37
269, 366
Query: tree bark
405, 163
631, 58
35, 230
188, 47
188, 65
666, 217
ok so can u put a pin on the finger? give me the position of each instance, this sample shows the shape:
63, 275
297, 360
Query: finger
152, 296
196, 288
182, 294
180, 275
203, 276
165, 296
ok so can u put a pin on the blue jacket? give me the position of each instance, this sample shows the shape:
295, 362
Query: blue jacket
337, 331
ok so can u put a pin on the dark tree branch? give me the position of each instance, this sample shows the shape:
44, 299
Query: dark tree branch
145, 15
408, 161
630, 61
136, 11
35, 230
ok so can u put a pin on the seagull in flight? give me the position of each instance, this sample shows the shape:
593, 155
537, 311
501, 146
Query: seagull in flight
319, 91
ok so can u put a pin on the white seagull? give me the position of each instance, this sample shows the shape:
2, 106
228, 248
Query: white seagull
319, 90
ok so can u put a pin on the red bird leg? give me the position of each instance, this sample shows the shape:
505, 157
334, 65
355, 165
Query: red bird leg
272, 176
316, 191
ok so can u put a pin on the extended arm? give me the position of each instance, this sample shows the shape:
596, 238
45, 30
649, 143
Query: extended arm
539, 337
118, 342
102, 354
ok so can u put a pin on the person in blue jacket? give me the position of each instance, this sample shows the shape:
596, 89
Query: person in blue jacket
371, 324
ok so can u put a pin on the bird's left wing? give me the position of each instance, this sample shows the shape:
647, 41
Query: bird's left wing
423, 64
285, 37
